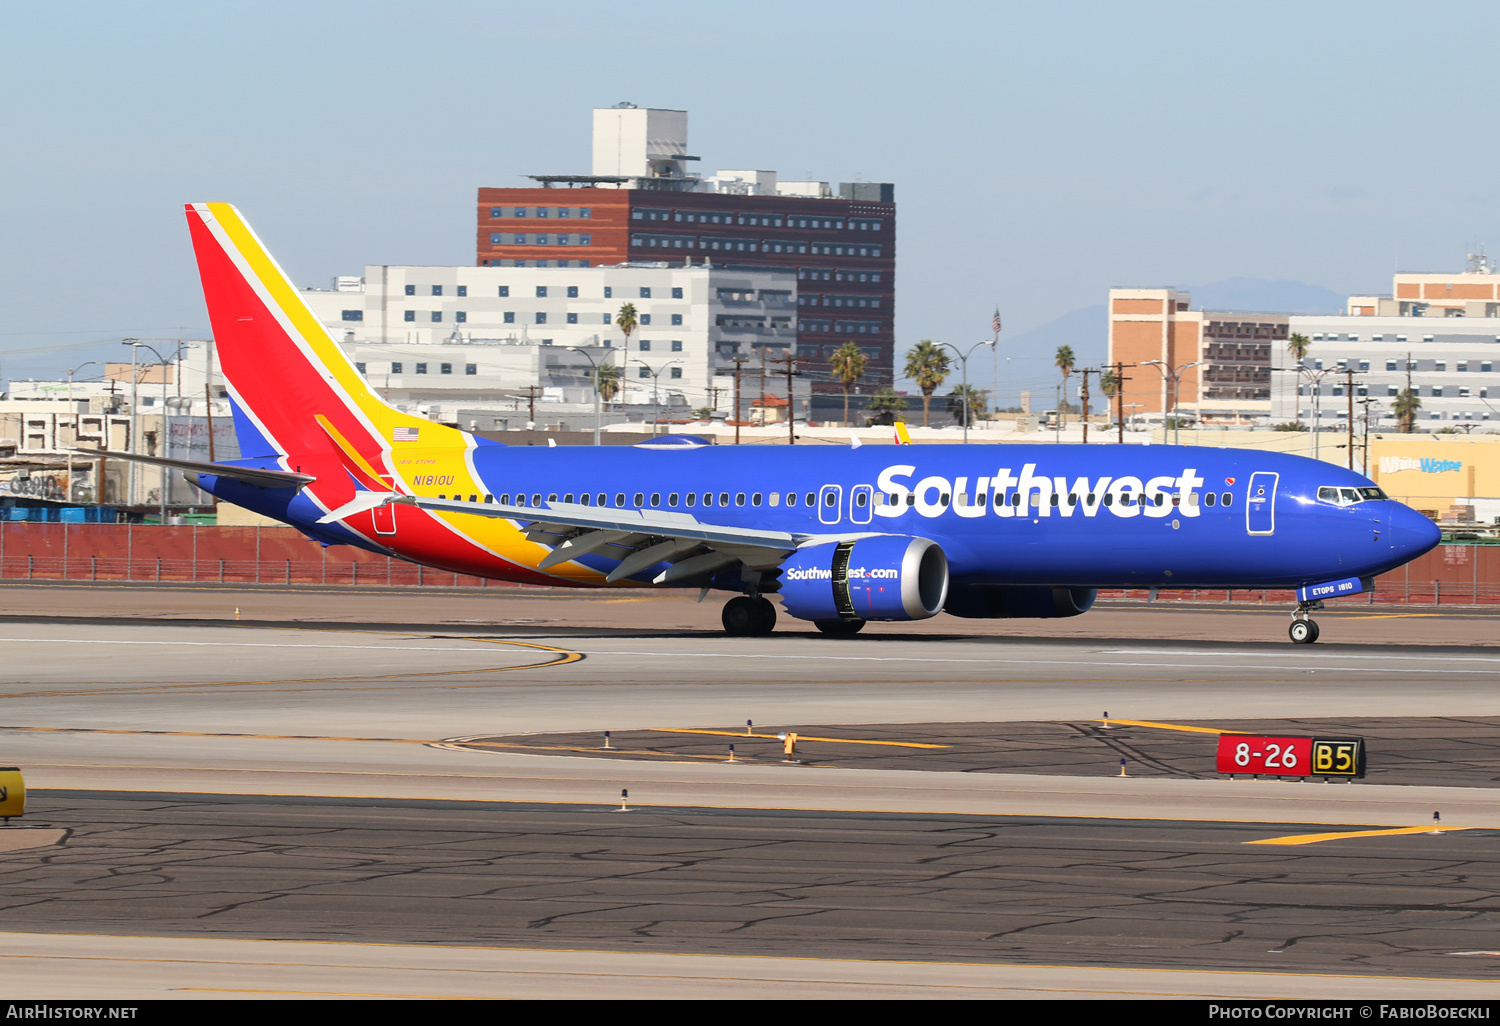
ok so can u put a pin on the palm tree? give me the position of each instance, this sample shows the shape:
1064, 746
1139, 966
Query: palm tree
1297, 345
927, 365
1064, 362
627, 321
1405, 408
608, 381
884, 405
848, 366
966, 402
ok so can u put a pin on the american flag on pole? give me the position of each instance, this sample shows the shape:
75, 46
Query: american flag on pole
995, 323
404, 434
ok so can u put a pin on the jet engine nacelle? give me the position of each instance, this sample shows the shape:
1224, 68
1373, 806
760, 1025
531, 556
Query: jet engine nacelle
998, 602
887, 577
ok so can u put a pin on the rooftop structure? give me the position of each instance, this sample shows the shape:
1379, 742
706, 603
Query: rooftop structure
643, 203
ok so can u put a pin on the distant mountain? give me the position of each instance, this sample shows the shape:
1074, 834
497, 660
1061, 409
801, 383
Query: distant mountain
1087, 329
1256, 295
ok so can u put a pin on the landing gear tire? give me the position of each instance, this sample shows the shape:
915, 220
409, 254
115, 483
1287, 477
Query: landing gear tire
748, 617
1303, 632
840, 628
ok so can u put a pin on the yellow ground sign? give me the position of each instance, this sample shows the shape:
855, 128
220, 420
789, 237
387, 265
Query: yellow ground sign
12, 792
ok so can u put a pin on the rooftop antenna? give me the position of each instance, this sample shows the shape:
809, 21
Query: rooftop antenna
1477, 262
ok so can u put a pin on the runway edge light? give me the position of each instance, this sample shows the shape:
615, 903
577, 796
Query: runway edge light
12, 793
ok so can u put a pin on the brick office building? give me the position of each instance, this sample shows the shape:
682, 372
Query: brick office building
640, 205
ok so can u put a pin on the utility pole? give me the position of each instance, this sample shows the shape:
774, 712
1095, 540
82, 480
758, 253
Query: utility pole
1349, 393
713, 397
1083, 400
1120, 380
763, 383
738, 361
791, 364
531, 391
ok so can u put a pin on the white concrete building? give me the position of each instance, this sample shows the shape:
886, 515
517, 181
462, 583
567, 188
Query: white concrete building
1453, 362
487, 334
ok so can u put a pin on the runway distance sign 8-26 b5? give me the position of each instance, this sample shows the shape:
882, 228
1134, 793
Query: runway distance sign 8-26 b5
1291, 756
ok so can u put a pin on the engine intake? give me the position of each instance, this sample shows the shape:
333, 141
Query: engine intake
1000, 602
887, 577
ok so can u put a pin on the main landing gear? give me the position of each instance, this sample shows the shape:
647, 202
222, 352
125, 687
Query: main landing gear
744, 616
840, 628
1304, 629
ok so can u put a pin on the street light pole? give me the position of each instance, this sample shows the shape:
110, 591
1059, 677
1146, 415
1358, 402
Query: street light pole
135, 343
1174, 378
74, 414
598, 410
963, 363
655, 391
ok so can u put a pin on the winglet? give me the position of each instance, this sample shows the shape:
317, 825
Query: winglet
358, 467
902, 438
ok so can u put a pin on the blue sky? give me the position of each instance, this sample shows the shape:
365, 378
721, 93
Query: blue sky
1042, 152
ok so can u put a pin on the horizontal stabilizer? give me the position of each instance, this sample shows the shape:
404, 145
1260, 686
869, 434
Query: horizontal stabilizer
254, 475
362, 501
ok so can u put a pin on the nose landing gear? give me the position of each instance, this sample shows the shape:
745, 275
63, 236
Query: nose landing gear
1304, 629
745, 616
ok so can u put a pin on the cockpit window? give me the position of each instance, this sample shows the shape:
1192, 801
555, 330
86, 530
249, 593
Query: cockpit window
1349, 496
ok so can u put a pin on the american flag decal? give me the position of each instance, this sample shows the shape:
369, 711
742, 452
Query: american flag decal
404, 434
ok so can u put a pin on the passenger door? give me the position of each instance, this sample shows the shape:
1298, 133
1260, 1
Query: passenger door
861, 499
830, 503
1260, 503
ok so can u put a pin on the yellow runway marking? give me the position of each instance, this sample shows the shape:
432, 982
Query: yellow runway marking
800, 737
1170, 726
1318, 838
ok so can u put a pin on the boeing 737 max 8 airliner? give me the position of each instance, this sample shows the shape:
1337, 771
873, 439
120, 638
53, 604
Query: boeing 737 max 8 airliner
841, 535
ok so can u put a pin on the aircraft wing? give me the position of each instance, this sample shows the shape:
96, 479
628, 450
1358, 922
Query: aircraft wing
254, 475
638, 538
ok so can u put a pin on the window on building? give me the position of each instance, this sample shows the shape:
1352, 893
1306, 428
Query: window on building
359, 367
462, 291
460, 316
1392, 390
437, 316
645, 345
504, 291
445, 368
411, 290
1437, 391
497, 211
421, 368
353, 315
541, 211
645, 318
395, 368
437, 290
1390, 365
585, 211
1364, 365
677, 293
677, 345
471, 368
645, 292
409, 316
1463, 391
644, 373
1463, 365
541, 318
609, 292
509, 317
676, 372
677, 320
572, 318
572, 291
1487, 367
541, 292
607, 320
1440, 365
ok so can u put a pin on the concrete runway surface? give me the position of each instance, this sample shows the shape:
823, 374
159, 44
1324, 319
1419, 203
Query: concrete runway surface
370, 794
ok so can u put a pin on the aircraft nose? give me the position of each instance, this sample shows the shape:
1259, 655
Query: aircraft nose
1412, 533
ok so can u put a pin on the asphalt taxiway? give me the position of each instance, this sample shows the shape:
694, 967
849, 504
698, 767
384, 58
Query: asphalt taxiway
431, 795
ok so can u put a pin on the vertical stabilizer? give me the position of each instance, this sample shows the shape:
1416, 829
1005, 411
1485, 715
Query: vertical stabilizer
283, 367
